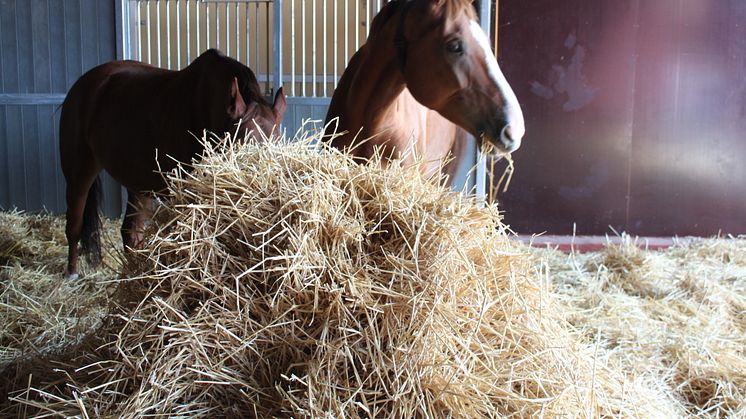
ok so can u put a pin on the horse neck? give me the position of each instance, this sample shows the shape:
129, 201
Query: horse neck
378, 79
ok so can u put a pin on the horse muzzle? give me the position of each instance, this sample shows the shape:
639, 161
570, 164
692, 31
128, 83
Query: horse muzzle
506, 142
510, 138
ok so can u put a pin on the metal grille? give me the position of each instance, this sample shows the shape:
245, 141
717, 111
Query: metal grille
320, 38
171, 33
314, 46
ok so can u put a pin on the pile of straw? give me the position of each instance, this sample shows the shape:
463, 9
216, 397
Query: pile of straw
40, 314
286, 280
675, 319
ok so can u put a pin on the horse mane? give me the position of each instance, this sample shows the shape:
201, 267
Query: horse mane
248, 84
383, 16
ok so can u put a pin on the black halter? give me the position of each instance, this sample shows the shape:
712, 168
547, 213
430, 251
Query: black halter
400, 42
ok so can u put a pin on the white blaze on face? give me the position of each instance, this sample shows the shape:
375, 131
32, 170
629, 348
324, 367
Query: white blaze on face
511, 101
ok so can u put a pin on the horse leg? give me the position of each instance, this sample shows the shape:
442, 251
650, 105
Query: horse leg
77, 191
139, 208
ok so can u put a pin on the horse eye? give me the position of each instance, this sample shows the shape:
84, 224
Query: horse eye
455, 46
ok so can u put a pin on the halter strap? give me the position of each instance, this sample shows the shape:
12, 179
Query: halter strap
400, 42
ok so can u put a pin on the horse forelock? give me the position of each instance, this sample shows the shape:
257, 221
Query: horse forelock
450, 8
456, 7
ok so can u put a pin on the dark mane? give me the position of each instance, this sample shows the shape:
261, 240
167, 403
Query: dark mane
383, 16
249, 85
247, 81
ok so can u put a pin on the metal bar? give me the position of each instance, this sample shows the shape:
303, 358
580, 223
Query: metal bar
217, 26
313, 48
128, 22
248, 44
347, 31
323, 49
277, 37
367, 17
139, 32
31, 98
199, 49
121, 29
236, 1
292, 47
227, 30
481, 169
238, 38
316, 101
257, 59
336, 44
497, 27
150, 55
158, 26
266, 40
303, 45
188, 34
207, 25
178, 34
357, 25
168, 35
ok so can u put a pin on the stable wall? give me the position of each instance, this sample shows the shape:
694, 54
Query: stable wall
635, 114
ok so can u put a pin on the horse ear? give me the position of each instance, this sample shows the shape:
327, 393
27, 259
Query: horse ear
237, 107
280, 104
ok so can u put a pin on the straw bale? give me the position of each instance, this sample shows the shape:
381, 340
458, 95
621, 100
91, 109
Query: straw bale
286, 280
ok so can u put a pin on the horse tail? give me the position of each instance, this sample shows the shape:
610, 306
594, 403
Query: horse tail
90, 235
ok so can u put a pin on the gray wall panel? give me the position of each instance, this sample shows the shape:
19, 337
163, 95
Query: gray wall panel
49, 156
45, 45
73, 48
24, 40
40, 45
14, 158
57, 47
89, 35
2, 63
9, 60
31, 158
59, 177
4, 181
300, 109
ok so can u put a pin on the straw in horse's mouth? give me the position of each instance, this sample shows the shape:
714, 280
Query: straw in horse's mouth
493, 154
489, 147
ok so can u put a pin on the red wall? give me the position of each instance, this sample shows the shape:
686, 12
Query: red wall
635, 114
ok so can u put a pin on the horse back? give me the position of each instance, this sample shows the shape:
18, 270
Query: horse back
124, 115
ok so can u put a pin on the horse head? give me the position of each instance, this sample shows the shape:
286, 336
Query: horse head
257, 114
448, 66
233, 85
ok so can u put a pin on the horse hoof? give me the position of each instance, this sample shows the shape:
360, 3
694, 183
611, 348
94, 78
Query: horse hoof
71, 277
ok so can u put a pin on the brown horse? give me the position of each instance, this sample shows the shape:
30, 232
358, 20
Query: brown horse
425, 76
134, 120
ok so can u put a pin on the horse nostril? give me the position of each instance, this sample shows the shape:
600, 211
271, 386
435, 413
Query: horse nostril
508, 138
